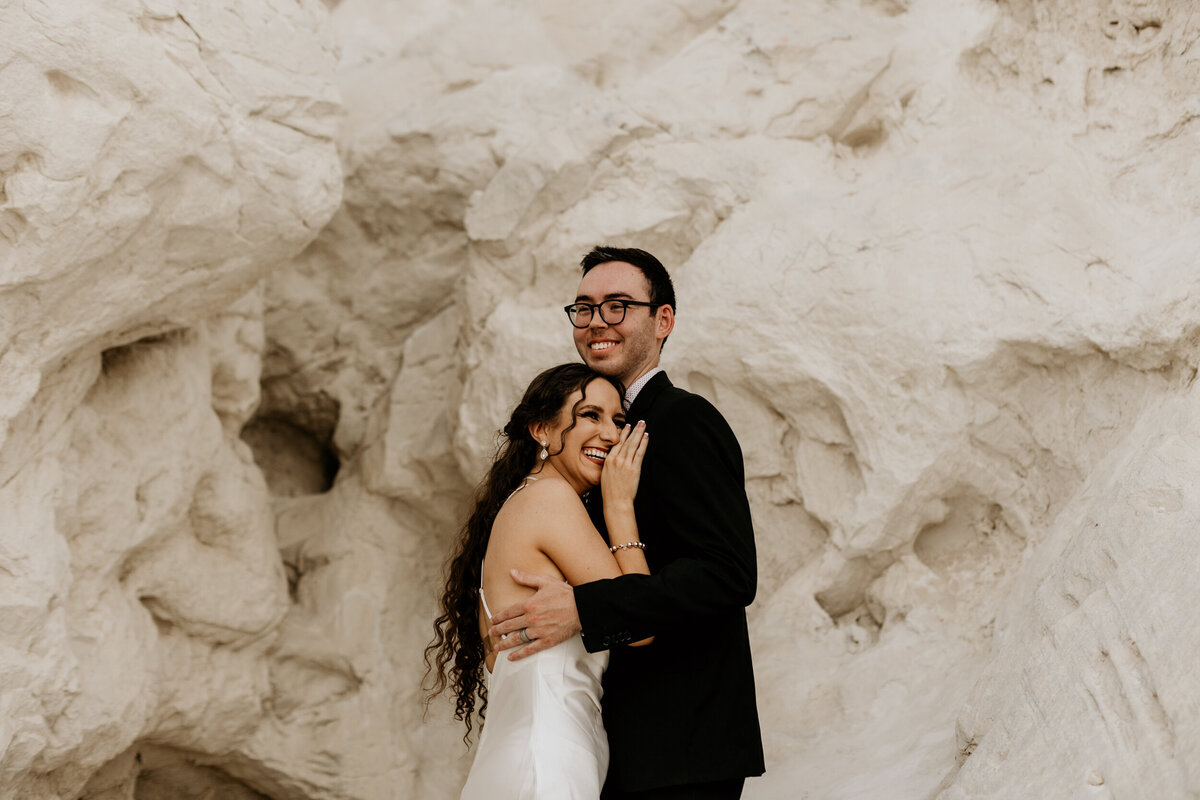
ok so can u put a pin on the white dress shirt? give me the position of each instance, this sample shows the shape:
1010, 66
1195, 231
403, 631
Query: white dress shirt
633, 391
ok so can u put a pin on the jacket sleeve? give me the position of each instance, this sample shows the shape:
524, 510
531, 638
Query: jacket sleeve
700, 501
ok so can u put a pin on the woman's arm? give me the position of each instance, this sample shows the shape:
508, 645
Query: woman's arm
618, 486
619, 482
553, 515
700, 504
562, 530
566, 533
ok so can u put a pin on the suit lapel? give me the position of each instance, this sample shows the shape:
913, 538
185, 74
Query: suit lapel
643, 408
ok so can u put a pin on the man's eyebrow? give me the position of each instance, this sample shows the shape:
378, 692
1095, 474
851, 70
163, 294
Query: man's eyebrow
580, 298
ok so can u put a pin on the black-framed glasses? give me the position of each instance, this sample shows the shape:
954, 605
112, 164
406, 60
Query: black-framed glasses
611, 311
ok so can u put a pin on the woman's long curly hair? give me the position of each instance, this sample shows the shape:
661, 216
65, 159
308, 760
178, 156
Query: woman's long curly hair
455, 657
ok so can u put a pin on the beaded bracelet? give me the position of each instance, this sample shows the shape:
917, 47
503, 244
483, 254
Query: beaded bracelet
640, 545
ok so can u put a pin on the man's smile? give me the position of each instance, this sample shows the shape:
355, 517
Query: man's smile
601, 344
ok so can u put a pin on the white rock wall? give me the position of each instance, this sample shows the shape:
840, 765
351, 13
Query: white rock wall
156, 160
934, 261
1092, 691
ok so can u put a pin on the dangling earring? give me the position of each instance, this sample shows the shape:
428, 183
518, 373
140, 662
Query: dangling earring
545, 453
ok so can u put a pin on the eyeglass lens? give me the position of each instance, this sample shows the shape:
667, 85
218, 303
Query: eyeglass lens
611, 311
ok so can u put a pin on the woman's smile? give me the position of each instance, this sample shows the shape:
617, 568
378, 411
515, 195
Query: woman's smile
596, 454
589, 426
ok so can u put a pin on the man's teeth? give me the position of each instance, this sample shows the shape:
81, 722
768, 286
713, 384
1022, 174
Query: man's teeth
601, 345
593, 453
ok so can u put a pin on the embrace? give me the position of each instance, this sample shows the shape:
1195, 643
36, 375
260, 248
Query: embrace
635, 594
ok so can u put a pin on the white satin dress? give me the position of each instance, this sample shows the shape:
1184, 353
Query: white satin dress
543, 738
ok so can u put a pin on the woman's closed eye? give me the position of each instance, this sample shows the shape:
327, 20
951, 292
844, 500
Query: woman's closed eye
595, 415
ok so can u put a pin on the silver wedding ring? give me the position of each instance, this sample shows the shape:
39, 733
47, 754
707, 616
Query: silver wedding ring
524, 636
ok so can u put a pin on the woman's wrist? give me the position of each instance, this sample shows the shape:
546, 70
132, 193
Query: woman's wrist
618, 505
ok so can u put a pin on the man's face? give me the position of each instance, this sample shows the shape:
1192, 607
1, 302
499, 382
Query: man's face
630, 348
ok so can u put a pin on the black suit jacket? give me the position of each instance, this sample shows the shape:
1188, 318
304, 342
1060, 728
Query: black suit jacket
682, 709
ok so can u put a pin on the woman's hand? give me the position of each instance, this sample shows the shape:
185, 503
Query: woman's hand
623, 468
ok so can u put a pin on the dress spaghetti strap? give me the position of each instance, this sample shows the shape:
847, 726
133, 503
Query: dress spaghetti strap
483, 600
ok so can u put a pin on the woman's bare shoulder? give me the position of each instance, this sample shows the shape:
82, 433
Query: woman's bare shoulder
550, 517
542, 503
549, 493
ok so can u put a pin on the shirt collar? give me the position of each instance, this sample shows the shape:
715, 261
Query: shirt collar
633, 391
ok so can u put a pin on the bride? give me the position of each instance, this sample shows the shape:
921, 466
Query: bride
544, 738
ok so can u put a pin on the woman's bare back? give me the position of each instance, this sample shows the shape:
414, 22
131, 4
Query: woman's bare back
512, 545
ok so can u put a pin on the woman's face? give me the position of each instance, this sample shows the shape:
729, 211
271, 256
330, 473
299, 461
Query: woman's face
578, 454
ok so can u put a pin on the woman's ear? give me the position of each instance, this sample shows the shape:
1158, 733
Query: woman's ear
539, 431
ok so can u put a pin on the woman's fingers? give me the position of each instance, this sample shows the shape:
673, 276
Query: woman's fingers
628, 450
622, 437
634, 446
640, 449
614, 452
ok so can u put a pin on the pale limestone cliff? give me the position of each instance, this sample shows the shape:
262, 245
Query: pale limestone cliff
156, 160
935, 262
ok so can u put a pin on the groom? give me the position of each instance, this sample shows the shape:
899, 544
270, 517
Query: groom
680, 713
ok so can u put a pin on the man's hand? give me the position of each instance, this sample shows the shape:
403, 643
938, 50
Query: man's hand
548, 618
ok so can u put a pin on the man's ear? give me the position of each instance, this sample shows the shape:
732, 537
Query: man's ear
664, 322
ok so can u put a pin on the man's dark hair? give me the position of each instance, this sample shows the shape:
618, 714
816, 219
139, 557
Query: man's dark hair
662, 292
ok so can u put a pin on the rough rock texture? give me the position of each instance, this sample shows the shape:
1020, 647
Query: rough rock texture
1088, 695
156, 160
934, 259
